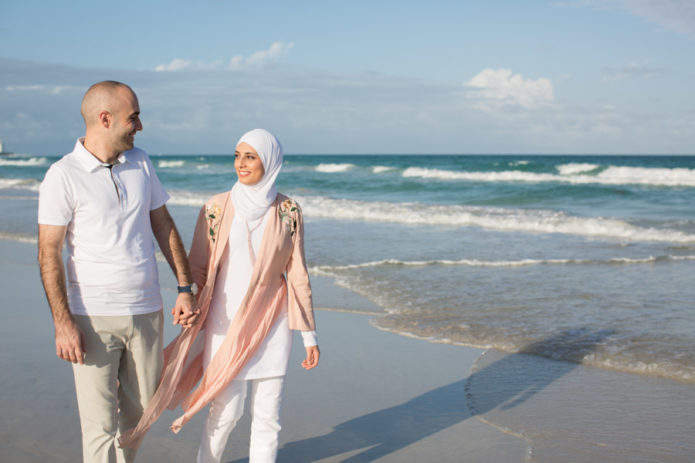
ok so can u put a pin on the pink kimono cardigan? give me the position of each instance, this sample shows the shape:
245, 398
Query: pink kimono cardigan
281, 252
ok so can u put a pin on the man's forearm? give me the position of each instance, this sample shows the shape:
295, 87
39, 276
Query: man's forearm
68, 337
53, 279
177, 258
171, 245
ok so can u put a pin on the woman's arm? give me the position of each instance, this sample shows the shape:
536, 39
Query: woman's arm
200, 251
300, 308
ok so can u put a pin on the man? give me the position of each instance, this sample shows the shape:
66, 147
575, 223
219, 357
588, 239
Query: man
105, 202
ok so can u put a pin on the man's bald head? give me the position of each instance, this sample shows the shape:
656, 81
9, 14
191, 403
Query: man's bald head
101, 96
111, 114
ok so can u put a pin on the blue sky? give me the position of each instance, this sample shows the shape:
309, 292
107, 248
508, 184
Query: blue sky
574, 76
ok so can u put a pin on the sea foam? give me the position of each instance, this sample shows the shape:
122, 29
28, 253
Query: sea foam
513, 220
333, 168
23, 162
188, 198
499, 219
19, 184
569, 173
170, 164
18, 237
331, 269
576, 168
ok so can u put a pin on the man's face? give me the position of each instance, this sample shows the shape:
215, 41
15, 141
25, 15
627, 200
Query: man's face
125, 120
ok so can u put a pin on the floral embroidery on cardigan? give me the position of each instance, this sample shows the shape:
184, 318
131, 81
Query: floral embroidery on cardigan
213, 214
287, 207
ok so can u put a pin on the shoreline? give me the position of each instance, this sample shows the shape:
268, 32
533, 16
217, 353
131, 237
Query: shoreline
376, 396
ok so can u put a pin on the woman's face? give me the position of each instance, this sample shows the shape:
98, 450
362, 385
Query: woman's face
248, 165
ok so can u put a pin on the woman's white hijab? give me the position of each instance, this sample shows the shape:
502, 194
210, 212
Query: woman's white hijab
252, 201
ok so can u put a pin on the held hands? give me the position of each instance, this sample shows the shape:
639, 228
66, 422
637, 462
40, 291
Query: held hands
185, 311
312, 357
69, 342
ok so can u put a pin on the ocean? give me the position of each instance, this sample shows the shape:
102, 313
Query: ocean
588, 259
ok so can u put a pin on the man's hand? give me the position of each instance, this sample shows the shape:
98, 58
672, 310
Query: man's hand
69, 342
312, 357
185, 311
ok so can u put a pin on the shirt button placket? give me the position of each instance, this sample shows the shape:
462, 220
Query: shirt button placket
122, 194
122, 200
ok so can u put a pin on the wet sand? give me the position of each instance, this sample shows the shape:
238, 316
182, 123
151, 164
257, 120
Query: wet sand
376, 396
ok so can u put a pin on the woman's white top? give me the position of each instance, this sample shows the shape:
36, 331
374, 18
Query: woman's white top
231, 286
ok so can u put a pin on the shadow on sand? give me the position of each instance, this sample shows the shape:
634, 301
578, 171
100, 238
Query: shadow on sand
388, 430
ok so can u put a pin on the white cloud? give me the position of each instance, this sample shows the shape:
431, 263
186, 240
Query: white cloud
180, 64
52, 89
261, 57
493, 88
256, 59
318, 112
631, 70
176, 64
236, 62
674, 15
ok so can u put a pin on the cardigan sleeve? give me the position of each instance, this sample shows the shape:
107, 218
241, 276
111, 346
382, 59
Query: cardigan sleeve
300, 308
200, 251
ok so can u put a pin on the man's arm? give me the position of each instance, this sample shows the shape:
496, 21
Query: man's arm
171, 246
68, 337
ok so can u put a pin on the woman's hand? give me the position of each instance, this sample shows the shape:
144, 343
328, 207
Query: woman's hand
185, 311
312, 357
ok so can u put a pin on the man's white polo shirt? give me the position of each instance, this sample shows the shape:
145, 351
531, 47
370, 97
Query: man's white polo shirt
111, 266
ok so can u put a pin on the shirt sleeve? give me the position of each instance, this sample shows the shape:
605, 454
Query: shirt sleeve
56, 204
299, 303
309, 338
159, 196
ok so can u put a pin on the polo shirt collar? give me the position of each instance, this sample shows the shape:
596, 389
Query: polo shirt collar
88, 161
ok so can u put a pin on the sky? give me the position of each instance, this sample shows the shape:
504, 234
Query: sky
359, 77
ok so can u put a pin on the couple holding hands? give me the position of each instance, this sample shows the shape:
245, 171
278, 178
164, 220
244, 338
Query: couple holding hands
105, 202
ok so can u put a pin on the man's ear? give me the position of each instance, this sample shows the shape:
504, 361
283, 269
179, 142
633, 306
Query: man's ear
105, 119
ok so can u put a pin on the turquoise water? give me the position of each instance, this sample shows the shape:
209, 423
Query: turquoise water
499, 251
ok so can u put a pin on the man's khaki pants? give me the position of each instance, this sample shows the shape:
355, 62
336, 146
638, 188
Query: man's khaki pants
122, 366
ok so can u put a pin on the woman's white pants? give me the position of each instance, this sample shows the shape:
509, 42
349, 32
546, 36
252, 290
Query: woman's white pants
227, 408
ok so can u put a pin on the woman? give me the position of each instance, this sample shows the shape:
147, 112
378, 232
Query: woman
245, 242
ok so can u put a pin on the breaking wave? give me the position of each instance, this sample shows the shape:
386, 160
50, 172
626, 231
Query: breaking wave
570, 173
23, 162
332, 168
19, 184
170, 164
329, 269
513, 220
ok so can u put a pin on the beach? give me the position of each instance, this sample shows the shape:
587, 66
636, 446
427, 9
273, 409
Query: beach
469, 308
376, 396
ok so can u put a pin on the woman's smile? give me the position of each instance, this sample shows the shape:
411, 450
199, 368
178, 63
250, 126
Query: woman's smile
248, 165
